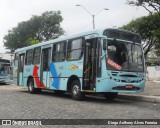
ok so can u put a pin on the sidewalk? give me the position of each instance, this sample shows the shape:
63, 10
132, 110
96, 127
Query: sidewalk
151, 89
150, 94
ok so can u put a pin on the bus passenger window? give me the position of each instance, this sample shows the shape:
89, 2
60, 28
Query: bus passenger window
36, 55
59, 52
29, 57
75, 49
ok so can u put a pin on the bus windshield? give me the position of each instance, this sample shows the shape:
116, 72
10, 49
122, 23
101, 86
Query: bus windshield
125, 56
4, 69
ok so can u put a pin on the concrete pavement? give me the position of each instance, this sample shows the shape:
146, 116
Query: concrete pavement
150, 94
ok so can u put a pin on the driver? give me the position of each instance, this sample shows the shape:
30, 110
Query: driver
119, 57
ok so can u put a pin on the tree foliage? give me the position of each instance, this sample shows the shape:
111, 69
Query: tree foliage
157, 49
37, 29
150, 5
149, 29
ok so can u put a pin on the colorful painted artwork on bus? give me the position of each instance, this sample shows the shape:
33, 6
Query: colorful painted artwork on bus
36, 77
55, 77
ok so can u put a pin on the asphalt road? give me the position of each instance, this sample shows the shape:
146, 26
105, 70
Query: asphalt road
17, 103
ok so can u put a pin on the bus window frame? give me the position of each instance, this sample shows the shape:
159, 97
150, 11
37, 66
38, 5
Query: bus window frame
69, 50
26, 57
33, 56
60, 52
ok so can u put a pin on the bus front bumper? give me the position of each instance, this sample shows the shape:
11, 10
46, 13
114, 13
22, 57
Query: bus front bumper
112, 86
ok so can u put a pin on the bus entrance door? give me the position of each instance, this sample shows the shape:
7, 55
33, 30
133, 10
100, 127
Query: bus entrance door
45, 67
20, 69
89, 70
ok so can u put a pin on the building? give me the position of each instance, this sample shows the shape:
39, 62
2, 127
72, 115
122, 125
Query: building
7, 55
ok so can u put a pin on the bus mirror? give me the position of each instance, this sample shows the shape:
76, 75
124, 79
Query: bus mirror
104, 44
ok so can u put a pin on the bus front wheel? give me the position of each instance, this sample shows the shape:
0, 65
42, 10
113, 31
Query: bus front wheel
76, 91
110, 95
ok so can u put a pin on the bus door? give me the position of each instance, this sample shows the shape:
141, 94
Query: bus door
20, 69
45, 67
89, 68
15, 69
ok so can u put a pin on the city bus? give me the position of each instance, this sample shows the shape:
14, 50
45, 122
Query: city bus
4, 71
106, 61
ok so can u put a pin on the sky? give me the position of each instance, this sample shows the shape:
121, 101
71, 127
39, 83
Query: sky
75, 18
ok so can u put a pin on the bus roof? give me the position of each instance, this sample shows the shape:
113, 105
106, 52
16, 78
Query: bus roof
62, 38
4, 61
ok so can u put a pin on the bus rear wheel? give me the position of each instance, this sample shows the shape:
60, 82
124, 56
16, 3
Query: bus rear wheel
110, 95
76, 91
31, 88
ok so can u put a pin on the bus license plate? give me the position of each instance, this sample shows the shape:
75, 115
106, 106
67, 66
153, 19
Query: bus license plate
129, 86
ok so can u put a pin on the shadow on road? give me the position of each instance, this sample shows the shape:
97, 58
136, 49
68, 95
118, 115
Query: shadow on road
4, 84
88, 98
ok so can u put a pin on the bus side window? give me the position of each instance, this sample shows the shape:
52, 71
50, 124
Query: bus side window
75, 49
36, 55
58, 53
29, 57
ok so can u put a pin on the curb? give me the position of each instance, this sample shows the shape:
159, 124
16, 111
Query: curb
144, 98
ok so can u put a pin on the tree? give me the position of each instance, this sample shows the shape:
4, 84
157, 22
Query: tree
157, 49
150, 5
149, 29
37, 29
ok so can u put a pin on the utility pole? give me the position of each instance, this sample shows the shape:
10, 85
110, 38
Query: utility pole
92, 15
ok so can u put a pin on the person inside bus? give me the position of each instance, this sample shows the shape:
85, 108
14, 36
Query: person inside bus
119, 56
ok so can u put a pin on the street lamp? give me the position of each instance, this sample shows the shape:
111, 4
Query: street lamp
92, 15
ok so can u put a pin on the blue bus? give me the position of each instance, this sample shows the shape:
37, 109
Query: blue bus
104, 61
5, 71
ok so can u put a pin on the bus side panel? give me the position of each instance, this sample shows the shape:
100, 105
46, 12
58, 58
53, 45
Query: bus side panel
75, 68
21, 79
61, 71
33, 71
103, 85
36, 75
28, 69
58, 78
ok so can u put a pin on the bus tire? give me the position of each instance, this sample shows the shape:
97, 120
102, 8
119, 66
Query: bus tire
110, 95
31, 88
76, 91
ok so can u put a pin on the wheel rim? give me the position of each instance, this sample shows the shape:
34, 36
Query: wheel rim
30, 87
75, 90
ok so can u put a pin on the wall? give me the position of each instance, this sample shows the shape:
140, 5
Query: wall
153, 73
